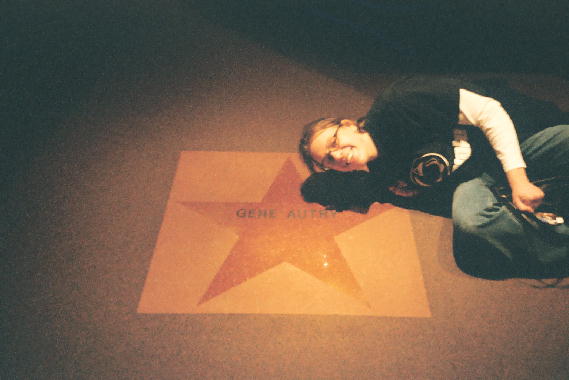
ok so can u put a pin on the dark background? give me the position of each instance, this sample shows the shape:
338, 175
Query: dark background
53, 53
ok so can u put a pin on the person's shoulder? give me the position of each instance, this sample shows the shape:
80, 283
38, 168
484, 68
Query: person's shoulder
427, 83
417, 93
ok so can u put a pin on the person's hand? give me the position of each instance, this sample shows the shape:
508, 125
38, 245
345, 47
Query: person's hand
527, 197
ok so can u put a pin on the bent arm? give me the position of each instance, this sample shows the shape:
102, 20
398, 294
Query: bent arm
488, 114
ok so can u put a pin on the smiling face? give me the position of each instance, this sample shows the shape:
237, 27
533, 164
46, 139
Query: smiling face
343, 148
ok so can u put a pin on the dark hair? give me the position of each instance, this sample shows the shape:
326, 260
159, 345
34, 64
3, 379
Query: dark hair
311, 129
340, 191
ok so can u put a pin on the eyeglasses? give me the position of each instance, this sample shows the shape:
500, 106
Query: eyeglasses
332, 146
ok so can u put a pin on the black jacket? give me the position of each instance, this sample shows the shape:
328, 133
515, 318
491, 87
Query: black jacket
418, 112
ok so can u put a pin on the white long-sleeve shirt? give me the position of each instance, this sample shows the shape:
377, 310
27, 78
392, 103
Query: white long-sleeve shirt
488, 114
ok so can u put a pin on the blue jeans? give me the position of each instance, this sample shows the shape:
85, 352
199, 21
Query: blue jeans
488, 240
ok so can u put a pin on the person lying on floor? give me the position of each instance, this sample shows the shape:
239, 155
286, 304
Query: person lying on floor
442, 145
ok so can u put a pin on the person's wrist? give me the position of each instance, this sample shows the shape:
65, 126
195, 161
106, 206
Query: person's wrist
517, 177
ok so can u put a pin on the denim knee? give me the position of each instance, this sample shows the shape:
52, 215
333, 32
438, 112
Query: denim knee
479, 222
547, 152
476, 211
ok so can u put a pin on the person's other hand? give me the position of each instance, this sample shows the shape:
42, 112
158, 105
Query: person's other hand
527, 197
